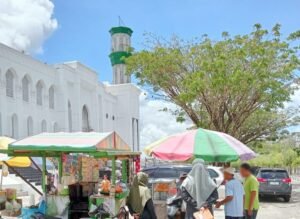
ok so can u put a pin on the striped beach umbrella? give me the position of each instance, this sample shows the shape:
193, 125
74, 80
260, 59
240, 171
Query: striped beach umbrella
209, 145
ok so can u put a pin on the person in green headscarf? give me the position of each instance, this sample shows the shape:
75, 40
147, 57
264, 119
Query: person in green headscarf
198, 189
139, 199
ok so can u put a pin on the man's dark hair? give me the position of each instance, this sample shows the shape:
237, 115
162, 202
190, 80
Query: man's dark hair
246, 166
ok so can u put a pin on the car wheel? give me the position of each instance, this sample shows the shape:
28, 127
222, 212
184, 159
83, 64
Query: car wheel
287, 198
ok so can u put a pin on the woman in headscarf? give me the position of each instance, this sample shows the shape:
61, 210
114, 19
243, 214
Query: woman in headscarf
139, 200
198, 189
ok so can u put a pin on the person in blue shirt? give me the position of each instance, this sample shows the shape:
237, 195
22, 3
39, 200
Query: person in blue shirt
234, 192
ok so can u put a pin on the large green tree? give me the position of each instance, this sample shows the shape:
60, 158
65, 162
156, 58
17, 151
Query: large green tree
237, 85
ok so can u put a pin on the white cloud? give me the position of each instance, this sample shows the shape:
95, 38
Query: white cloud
26, 24
295, 100
156, 124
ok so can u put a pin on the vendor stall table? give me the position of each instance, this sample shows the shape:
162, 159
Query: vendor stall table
108, 146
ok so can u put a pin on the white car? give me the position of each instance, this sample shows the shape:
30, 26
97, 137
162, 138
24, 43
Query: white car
216, 174
174, 171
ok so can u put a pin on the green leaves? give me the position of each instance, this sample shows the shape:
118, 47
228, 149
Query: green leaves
277, 154
224, 85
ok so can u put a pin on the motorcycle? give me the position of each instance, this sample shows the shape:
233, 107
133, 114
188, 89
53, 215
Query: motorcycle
174, 204
102, 211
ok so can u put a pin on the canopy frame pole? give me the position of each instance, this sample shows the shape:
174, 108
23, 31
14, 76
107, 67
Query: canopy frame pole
60, 167
124, 171
113, 165
44, 174
113, 170
24, 179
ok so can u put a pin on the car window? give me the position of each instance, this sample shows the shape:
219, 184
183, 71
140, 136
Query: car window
254, 170
274, 174
184, 170
174, 172
167, 173
213, 174
162, 173
150, 172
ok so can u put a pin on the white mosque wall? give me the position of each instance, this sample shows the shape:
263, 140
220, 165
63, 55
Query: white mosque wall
78, 102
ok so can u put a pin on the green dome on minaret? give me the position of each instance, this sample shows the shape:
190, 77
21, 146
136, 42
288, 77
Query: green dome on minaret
121, 29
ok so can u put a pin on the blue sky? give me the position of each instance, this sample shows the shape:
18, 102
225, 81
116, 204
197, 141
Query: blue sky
82, 32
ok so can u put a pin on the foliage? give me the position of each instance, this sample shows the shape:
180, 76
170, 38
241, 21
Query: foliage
237, 85
296, 162
276, 154
289, 156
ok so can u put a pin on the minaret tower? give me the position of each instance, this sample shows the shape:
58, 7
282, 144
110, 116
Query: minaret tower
120, 49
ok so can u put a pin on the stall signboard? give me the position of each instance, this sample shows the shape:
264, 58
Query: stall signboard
70, 165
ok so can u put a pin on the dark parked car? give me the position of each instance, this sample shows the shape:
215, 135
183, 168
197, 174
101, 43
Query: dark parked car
274, 182
254, 170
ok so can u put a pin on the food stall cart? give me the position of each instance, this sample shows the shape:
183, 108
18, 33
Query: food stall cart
79, 158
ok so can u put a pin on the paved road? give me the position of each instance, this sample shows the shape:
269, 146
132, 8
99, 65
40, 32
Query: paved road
276, 208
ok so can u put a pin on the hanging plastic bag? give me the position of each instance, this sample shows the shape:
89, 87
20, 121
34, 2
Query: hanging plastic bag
4, 170
52, 208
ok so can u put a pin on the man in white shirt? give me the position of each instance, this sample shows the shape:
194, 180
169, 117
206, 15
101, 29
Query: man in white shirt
234, 192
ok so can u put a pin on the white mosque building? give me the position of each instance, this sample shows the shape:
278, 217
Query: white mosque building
36, 97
